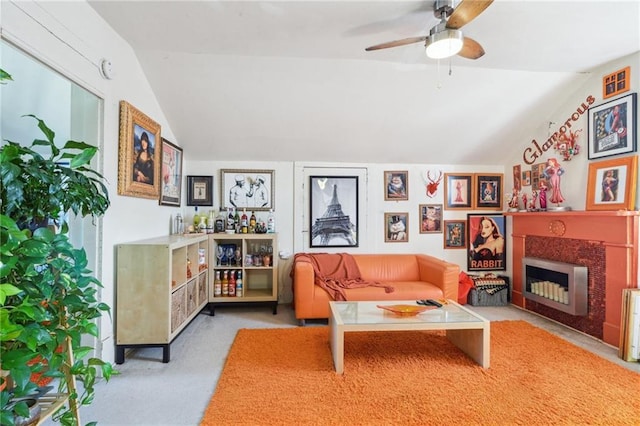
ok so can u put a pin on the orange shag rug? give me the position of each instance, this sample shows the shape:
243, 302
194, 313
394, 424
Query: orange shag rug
285, 377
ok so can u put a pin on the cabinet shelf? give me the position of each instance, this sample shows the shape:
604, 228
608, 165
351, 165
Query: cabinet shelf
260, 283
162, 284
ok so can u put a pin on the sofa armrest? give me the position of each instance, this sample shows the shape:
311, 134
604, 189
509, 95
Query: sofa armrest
440, 273
303, 283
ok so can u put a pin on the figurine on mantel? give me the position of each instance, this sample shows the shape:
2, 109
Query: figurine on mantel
525, 199
532, 203
542, 191
552, 172
513, 200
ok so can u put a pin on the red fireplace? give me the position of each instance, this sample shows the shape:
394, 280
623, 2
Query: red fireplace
605, 243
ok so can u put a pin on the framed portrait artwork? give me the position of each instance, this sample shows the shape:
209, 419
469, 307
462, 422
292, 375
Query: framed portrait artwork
396, 227
200, 190
247, 189
488, 190
611, 184
333, 211
458, 189
396, 185
139, 147
517, 177
612, 127
171, 173
526, 178
455, 234
430, 218
486, 242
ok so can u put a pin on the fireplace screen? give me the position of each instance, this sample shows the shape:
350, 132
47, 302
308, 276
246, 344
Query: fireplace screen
562, 286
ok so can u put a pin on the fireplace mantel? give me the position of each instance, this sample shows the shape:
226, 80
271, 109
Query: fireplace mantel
617, 231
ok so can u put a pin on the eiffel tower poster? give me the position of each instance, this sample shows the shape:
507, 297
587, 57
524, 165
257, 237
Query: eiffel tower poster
334, 211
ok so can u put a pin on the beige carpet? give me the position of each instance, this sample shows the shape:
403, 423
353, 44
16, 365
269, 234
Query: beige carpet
286, 377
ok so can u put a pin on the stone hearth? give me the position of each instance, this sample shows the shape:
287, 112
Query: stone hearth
605, 242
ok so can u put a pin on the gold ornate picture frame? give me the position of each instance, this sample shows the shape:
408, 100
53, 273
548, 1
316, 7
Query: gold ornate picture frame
139, 154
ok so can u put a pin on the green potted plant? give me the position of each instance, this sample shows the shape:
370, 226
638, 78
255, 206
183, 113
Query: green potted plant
48, 297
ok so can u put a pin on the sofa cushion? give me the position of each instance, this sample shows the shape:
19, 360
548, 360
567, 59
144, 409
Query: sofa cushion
388, 267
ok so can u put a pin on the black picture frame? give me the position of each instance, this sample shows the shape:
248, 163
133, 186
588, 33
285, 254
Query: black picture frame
200, 190
333, 211
612, 127
488, 250
488, 191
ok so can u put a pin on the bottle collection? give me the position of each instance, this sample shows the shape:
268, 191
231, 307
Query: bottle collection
227, 283
233, 221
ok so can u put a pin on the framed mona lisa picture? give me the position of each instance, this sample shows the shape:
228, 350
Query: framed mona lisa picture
486, 242
139, 150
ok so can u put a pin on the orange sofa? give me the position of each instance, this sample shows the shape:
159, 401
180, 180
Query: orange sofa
413, 276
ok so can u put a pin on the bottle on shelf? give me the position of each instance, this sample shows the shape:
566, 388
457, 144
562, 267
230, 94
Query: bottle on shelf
217, 285
230, 223
232, 284
271, 223
220, 220
225, 283
239, 284
211, 221
196, 220
178, 225
244, 222
252, 223
236, 221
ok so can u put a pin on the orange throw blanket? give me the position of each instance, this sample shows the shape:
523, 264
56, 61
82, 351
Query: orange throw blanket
335, 272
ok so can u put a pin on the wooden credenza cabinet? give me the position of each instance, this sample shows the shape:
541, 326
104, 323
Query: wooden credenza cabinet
162, 284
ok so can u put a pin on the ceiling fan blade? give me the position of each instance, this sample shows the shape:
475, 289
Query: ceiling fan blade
396, 43
471, 49
466, 12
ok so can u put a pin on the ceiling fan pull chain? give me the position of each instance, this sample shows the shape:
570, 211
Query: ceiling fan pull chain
438, 85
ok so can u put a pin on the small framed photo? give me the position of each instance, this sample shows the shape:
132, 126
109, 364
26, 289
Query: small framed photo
517, 177
455, 234
488, 190
200, 190
396, 185
396, 227
612, 127
611, 184
138, 154
615, 83
430, 218
333, 211
458, 189
486, 242
171, 173
537, 176
526, 178
247, 189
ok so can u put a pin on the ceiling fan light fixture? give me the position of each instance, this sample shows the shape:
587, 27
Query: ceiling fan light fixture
443, 44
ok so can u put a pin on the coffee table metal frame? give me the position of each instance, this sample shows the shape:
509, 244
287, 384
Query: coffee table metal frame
467, 330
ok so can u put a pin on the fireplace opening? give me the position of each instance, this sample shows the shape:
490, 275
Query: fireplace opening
562, 286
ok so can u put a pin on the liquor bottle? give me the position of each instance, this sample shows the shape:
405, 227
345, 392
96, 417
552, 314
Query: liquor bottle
236, 221
217, 285
219, 226
230, 224
252, 223
225, 283
196, 220
271, 223
211, 221
232, 284
244, 222
239, 284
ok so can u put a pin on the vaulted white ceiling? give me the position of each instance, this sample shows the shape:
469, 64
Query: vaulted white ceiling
290, 80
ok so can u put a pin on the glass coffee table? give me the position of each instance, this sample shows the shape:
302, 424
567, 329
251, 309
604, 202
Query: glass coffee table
464, 328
